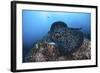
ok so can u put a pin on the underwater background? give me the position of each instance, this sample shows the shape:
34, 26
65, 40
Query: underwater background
36, 24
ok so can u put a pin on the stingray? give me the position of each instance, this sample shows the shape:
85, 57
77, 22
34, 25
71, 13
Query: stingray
68, 39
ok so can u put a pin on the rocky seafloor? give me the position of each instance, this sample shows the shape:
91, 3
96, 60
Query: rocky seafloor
40, 53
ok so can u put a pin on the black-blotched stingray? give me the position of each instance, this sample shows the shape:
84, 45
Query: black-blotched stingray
68, 39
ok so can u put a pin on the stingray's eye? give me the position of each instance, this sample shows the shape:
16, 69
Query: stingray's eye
57, 35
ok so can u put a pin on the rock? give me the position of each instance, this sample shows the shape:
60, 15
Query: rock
62, 58
39, 57
84, 51
50, 52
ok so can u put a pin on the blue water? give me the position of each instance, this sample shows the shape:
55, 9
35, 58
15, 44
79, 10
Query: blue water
35, 24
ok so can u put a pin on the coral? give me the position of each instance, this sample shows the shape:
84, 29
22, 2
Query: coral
43, 54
